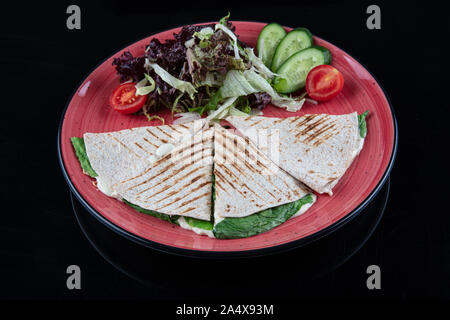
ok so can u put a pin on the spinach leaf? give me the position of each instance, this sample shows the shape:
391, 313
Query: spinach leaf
80, 151
197, 223
234, 228
211, 105
362, 124
162, 216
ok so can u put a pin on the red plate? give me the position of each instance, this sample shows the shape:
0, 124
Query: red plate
88, 111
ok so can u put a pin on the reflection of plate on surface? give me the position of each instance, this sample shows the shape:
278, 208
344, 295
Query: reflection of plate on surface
88, 111
311, 261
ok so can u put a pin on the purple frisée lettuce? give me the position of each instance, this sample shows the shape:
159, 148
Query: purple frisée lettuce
190, 69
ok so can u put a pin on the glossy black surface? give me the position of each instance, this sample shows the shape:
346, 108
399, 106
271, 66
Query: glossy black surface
315, 259
42, 63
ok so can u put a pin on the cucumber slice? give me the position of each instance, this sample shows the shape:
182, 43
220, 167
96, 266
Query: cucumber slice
296, 40
294, 71
268, 40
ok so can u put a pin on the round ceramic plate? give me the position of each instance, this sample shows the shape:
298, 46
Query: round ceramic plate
88, 111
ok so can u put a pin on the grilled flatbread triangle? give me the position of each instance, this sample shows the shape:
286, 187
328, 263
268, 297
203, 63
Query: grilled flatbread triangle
116, 156
246, 180
180, 183
316, 149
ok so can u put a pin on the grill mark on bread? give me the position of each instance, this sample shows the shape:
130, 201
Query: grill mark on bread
237, 178
192, 154
192, 145
323, 139
149, 142
172, 184
166, 168
280, 120
222, 178
237, 156
236, 170
206, 194
164, 132
294, 119
311, 126
320, 131
140, 147
157, 137
184, 167
255, 123
124, 145
187, 210
201, 185
307, 119
285, 183
281, 191
219, 186
174, 192
174, 129
241, 147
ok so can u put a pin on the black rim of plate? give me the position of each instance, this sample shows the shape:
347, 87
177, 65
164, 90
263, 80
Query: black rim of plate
227, 254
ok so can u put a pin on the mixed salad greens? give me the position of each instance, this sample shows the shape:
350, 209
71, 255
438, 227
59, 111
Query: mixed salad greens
206, 69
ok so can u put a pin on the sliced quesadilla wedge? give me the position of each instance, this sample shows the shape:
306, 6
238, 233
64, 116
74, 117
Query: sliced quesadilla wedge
116, 156
252, 195
179, 184
316, 149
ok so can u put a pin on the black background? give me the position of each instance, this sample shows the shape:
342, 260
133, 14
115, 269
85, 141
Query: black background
42, 63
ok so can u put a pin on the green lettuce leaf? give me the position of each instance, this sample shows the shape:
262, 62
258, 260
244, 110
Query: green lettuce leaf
222, 110
259, 64
262, 85
362, 124
181, 85
204, 34
162, 216
239, 83
234, 228
211, 105
80, 151
236, 85
141, 87
197, 223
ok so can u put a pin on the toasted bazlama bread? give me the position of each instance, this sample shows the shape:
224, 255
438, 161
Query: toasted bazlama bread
180, 183
246, 180
316, 149
116, 156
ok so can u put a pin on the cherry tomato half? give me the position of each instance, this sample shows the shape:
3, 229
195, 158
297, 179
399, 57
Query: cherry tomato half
124, 98
324, 82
